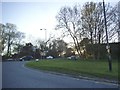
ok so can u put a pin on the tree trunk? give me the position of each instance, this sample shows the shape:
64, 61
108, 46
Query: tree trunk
98, 55
8, 49
91, 37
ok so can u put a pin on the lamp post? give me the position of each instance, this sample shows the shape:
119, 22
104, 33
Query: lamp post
108, 46
45, 33
44, 53
34, 51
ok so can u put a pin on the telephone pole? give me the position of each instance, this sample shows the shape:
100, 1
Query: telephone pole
107, 46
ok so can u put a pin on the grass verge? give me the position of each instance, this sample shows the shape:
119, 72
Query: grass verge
80, 67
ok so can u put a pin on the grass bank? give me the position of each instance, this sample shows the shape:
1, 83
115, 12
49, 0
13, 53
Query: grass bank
79, 67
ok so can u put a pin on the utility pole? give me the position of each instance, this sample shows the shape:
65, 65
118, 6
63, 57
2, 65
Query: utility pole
108, 46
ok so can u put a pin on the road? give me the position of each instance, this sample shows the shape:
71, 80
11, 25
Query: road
15, 75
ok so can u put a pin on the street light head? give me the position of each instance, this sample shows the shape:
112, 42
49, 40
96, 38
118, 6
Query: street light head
43, 29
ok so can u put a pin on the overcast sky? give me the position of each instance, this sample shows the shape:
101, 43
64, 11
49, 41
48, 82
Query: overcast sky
32, 15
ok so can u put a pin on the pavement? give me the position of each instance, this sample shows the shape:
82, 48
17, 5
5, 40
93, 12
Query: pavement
16, 75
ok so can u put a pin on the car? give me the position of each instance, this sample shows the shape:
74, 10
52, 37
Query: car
24, 58
72, 58
10, 59
49, 57
68, 57
36, 60
21, 59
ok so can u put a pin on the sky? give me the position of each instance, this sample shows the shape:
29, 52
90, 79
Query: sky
32, 15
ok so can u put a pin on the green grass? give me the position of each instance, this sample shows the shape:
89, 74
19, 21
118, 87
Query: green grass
79, 67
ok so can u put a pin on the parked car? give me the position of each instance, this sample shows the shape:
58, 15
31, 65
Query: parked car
24, 58
68, 57
49, 57
10, 59
72, 58
36, 60
21, 59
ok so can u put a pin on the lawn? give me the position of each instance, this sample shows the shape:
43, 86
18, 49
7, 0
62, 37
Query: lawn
90, 68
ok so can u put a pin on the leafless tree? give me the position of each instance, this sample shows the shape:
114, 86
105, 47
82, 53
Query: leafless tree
69, 20
93, 21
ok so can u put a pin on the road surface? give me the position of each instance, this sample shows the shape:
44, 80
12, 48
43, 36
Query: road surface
15, 75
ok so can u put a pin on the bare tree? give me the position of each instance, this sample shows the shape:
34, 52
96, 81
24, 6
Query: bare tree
116, 20
69, 21
93, 21
17, 43
10, 36
88, 20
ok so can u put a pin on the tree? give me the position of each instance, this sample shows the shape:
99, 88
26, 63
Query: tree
88, 19
70, 21
84, 43
93, 21
27, 50
0, 46
57, 48
41, 45
3, 36
10, 36
17, 47
69, 52
116, 19
88, 22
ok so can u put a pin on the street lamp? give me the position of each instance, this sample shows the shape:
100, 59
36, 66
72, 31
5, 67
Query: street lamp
45, 33
44, 53
108, 46
34, 50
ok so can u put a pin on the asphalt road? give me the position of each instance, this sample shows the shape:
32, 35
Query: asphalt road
15, 75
